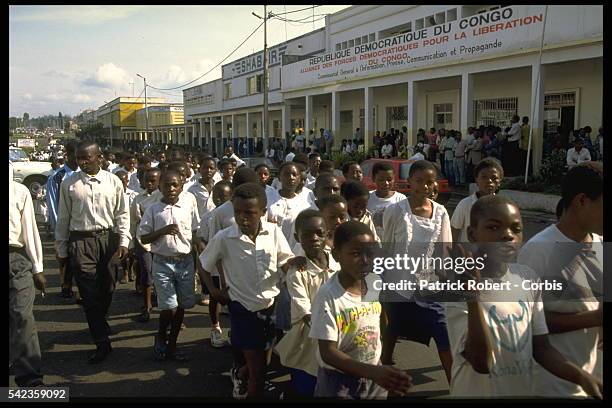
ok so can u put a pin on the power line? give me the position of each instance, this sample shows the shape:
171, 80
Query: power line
296, 11
220, 62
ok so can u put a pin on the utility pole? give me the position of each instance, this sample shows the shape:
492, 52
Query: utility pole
146, 108
265, 81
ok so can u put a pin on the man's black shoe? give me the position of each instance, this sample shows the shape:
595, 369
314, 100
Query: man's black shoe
67, 293
100, 353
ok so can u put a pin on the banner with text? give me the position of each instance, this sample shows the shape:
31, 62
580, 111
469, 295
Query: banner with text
496, 32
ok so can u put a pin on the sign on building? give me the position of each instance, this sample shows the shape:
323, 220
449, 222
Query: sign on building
30, 143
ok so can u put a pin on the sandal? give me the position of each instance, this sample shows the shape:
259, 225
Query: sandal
159, 349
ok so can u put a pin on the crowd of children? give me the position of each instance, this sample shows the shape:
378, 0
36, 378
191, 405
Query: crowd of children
292, 259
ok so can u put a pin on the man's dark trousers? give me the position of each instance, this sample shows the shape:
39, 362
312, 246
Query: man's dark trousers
91, 261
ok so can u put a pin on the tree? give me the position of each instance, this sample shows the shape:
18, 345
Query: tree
26, 119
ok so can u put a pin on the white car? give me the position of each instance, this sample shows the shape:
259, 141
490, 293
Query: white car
32, 174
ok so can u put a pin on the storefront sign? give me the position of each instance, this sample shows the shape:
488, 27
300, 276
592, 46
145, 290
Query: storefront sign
497, 32
254, 62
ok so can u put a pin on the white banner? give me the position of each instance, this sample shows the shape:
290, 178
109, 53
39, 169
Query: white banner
497, 32
31, 143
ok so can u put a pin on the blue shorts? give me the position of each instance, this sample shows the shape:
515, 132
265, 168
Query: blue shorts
418, 323
145, 265
283, 309
251, 330
174, 279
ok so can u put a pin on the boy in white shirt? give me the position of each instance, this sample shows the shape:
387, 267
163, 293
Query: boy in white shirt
222, 192
497, 334
383, 196
263, 172
170, 227
346, 324
251, 252
128, 195
202, 188
488, 175
141, 202
555, 252
357, 195
296, 350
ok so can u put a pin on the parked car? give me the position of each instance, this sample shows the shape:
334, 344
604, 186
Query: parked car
32, 174
253, 162
401, 167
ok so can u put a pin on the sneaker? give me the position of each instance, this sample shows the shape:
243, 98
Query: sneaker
240, 386
216, 338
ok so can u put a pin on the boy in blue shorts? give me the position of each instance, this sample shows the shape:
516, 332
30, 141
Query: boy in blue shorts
170, 226
251, 252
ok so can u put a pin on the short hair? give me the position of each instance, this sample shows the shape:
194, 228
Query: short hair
586, 178
353, 189
120, 173
381, 166
301, 158
347, 166
306, 215
163, 166
489, 163
323, 177
326, 166
222, 184
152, 170
299, 166
223, 163
330, 200
422, 165
71, 147
260, 165
233, 161
177, 164
349, 230
486, 203
205, 159
313, 155
244, 175
250, 190
171, 172
86, 144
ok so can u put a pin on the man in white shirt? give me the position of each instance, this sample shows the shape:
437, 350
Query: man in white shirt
25, 273
577, 154
571, 251
91, 205
229, 153
289, 157
386, 150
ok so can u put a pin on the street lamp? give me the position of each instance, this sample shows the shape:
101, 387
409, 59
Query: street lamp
146, 107
265, 79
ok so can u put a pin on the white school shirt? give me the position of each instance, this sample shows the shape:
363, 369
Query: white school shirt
574, 157
512, 325
272, 196
376, 206
203, 198
223, 217
416, 235
23, 231
367, 220
217, 177
285, 211
352, 322
138, 207
461, 216
289, 156
251, 269
158, 215
578, 346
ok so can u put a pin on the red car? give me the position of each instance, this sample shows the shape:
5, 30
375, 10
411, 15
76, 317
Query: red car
400, 169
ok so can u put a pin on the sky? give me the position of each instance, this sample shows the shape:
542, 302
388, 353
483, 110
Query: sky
70, 58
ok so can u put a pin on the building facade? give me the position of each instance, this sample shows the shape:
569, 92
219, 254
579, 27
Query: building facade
119, 115
442, 66
163, 119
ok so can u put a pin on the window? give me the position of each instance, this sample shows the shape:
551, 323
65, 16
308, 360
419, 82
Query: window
251, 85
397, 30
227, 91
344, 44
364, 39
495, 112
338, 47
397, 116
357, 41
372, 37
440, 18
351, 43
443, 115
430, 21
418, 24
451, 15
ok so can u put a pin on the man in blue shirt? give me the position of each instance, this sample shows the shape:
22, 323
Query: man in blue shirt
53, 189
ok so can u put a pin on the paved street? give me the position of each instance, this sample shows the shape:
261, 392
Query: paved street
131, 370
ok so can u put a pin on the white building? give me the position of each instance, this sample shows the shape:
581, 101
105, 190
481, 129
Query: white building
377, 67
